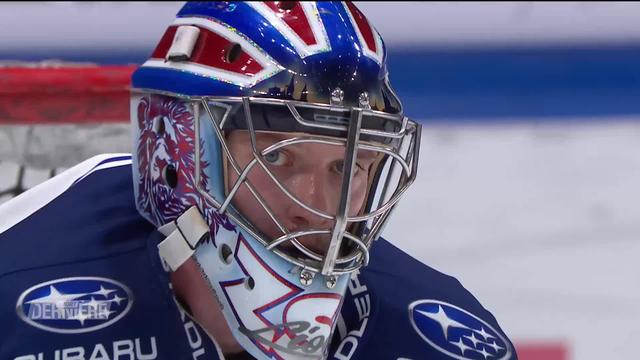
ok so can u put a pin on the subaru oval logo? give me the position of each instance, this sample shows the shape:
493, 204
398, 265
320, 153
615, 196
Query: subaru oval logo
456, 332
74, 305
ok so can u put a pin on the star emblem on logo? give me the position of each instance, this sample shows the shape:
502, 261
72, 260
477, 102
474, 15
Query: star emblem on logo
457, 332
444, 321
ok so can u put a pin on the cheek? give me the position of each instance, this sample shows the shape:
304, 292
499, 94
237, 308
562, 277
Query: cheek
248, 205
264, 186
358, 192
262, 183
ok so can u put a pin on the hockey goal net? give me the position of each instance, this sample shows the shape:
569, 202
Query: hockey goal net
54, 115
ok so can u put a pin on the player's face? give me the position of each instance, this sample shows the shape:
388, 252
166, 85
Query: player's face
310, 171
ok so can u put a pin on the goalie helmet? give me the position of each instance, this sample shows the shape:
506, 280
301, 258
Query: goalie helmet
313, 72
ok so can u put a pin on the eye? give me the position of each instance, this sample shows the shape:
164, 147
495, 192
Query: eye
276, 157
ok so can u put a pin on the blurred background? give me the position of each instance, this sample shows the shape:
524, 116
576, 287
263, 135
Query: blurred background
529, 185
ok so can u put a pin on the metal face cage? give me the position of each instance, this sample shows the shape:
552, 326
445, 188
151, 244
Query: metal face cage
393, 137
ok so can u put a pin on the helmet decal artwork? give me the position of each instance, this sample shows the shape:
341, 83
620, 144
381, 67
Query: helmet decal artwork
164, 148
303, 75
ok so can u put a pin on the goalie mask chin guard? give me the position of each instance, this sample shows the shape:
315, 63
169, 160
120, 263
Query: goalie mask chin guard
325, 83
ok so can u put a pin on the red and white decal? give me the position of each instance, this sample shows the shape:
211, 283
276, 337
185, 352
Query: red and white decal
274, 289
369, 38
208, 58
325, 308
300, 24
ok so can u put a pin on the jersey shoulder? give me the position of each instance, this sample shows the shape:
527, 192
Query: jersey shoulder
431, 314
413, 278
79, 214
80, 273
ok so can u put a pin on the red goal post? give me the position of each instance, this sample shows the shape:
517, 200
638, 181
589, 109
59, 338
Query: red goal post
55, 114
56, 93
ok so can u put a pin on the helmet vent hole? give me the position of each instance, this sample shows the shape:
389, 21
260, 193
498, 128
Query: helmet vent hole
171, 176
232, 53
225, 253
287, 5
159, 125
249, 283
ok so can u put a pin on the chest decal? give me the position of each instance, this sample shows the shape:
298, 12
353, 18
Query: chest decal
456, 332
74, 305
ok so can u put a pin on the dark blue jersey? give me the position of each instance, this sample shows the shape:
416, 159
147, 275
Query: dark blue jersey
80, 278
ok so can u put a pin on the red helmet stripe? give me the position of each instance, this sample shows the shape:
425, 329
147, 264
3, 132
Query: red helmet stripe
363, 26
165, 43
212, 49
296, 19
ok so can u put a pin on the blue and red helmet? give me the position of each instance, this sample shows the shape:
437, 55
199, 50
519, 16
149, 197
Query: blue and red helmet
285, 50
313, 71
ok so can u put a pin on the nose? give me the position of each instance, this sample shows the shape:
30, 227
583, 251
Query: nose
314, 189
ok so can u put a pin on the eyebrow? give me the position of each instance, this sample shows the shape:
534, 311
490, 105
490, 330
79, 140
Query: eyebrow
272, 138
367, 154
260, 136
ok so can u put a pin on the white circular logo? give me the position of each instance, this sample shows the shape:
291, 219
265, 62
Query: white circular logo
74, 305
456, 332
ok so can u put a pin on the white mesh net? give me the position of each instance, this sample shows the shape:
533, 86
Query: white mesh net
30, 154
